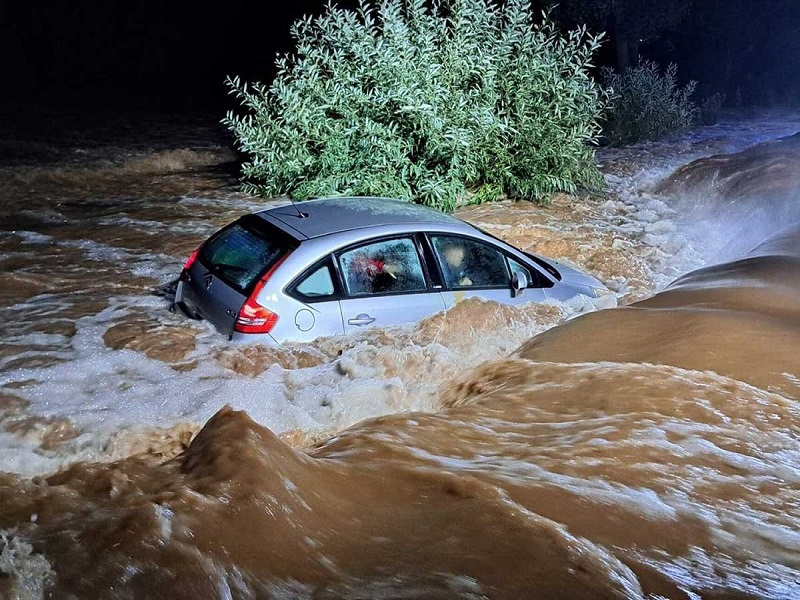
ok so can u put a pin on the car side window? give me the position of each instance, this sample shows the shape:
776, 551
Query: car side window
469, 263
319, 284
515, 266
385, 267
535, 278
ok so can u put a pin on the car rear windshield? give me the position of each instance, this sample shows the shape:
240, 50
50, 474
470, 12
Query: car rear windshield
241, 253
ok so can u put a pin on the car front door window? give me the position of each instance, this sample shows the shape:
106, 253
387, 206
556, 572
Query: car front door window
517, 267
469, 263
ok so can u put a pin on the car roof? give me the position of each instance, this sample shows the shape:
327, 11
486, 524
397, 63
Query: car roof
316, 218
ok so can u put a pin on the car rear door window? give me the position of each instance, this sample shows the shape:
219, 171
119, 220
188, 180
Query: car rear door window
238, 255
385, 267
470, 263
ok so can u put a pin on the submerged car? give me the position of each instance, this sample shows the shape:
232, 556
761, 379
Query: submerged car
332, 266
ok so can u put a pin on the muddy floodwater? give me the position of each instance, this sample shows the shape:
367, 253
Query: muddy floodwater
543, 451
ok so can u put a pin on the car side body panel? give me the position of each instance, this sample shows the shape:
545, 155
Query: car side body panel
383, 311
302, 322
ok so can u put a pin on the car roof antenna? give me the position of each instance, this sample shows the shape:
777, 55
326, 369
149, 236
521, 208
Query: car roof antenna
300, 214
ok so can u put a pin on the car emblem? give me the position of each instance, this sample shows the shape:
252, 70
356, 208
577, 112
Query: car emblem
207, 280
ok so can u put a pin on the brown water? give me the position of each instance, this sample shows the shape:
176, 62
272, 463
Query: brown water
647, 451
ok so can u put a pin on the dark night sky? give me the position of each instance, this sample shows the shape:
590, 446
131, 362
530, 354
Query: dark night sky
177, 54
137, 51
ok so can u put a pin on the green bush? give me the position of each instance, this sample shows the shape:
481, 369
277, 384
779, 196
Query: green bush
445, 102
710, 108
646, 104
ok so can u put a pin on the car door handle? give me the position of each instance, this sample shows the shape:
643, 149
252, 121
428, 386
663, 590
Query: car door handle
362, 319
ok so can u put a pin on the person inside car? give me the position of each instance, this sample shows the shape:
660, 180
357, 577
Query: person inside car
455, 265
375, 274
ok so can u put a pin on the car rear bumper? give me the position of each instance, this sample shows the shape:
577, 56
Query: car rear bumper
264, 339
184, 304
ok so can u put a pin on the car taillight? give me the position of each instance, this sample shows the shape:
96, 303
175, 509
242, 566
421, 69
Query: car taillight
252, 317
191, 259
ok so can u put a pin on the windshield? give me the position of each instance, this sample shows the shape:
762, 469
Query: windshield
238, 255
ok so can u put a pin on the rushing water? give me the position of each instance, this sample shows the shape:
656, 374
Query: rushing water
647, 451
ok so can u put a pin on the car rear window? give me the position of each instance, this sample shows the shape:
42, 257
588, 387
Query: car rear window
239, 254
319, 284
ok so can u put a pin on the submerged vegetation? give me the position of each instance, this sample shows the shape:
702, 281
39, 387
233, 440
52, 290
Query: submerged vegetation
446, 102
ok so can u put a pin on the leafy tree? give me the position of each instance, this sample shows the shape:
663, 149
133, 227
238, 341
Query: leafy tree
438, 102
646, 104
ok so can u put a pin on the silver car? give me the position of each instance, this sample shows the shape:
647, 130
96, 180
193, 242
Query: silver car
333, 266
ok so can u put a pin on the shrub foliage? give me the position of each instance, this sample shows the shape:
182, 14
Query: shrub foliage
710, 108
646, 104
441, 102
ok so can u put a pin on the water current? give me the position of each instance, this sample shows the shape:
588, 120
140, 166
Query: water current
550, 451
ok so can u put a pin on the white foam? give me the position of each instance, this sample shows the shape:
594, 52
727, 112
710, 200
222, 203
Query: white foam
33, 237
30, 573
103, 391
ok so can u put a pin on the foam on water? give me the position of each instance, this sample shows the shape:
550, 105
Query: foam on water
103, 390
28, 574
684, 233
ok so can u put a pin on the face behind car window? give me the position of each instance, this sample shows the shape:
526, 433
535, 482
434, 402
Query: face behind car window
469, 263
385, 267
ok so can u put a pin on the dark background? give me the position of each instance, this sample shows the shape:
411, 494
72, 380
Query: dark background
139, 53
114, 55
